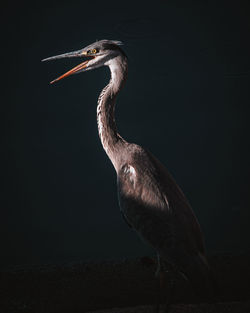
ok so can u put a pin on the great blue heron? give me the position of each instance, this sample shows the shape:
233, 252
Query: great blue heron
150, 200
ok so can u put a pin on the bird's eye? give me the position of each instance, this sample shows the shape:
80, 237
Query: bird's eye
92, 51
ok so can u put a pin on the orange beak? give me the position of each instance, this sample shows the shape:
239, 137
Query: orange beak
75, 69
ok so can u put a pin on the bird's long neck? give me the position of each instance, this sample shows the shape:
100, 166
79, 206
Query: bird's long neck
112, 142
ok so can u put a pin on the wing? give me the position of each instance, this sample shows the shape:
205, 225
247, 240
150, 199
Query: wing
154, 204
141, 199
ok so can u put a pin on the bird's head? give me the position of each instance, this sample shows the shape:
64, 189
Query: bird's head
99, 53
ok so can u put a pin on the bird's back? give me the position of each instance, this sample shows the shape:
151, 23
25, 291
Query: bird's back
154, 205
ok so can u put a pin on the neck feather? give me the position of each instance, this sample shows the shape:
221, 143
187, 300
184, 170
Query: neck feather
111, 141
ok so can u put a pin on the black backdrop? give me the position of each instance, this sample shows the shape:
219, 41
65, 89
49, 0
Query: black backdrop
186, 100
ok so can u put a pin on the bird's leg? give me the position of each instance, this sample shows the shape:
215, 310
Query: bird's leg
170, 274
159, 274
170, 289
160, 283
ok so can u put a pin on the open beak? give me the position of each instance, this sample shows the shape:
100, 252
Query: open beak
75, 69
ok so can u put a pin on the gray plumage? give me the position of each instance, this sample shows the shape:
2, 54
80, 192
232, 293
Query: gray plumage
150, 200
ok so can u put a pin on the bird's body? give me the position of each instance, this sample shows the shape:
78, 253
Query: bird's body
153, 204
150, 200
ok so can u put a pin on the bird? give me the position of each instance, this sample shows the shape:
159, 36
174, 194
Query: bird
150, 200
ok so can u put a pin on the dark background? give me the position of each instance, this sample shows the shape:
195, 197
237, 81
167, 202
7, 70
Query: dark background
186, 100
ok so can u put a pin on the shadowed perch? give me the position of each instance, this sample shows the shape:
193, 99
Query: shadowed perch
94, 286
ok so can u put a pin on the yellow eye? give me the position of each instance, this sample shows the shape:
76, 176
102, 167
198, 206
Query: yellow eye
93, 51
